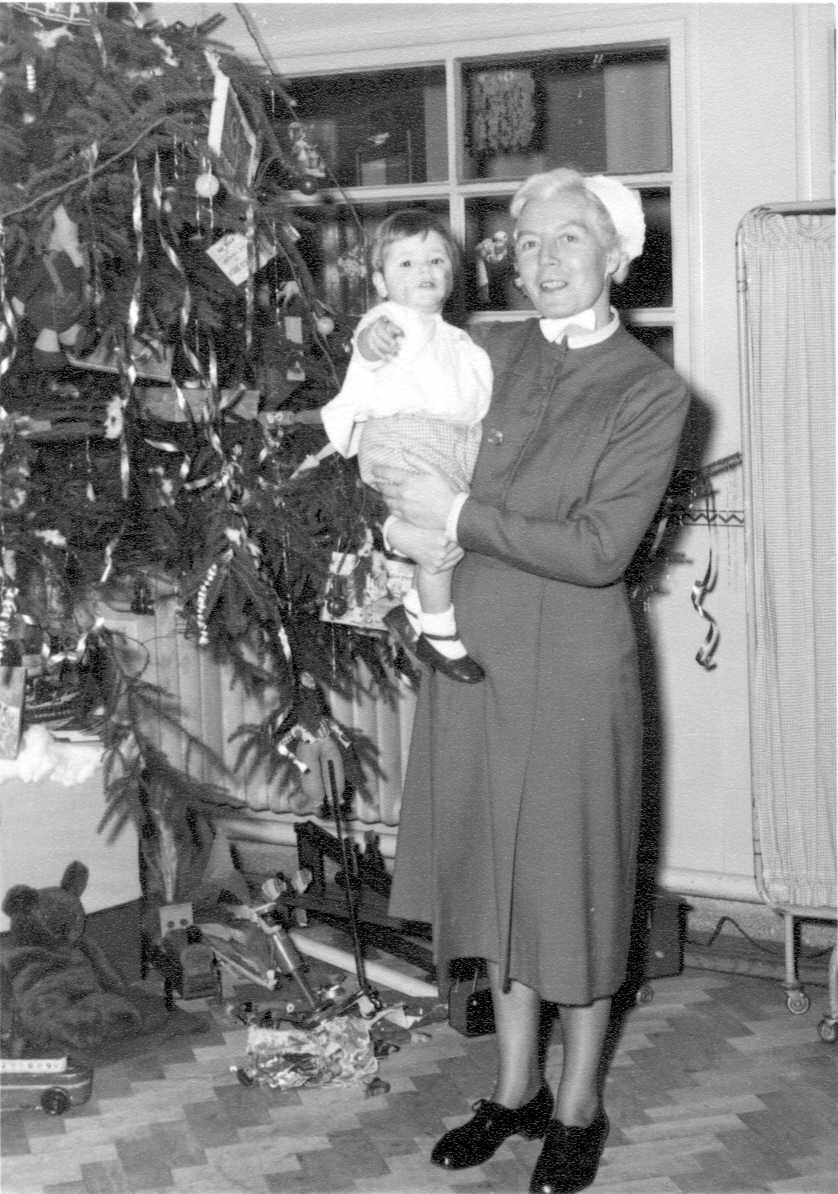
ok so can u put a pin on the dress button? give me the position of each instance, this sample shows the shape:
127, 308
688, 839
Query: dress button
495, 437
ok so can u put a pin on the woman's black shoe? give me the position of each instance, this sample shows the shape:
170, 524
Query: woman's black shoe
474, 1142
570, 1157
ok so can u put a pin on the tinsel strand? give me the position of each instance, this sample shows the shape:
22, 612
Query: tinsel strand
201, 605
8, 608
8, 326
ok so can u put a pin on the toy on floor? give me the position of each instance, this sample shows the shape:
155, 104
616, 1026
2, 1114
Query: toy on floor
339, 1051
186, 960
60, 989
52, 1083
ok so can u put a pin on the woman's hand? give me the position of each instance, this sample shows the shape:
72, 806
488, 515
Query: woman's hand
431, 550
420, 493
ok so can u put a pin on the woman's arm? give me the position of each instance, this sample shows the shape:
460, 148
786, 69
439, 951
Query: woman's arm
432, 550
594, 544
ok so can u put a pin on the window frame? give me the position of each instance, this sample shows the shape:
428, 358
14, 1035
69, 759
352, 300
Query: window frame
455, 191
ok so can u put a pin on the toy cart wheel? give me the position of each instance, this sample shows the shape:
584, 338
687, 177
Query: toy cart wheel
55, 1101
828, 1030
244, 1077
798, 1003
645, 994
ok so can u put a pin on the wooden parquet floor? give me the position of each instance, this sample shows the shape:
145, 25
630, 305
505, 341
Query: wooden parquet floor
713, 1086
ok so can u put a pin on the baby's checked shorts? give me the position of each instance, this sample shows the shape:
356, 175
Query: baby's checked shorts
452, 447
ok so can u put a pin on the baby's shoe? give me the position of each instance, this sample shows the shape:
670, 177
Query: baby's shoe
457, 667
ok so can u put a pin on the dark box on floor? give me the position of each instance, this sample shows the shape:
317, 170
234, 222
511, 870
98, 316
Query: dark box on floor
658, 936
656, 952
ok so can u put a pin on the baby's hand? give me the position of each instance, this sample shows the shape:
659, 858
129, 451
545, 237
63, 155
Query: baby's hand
380, 340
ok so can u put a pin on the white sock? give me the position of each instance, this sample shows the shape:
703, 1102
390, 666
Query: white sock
444, 623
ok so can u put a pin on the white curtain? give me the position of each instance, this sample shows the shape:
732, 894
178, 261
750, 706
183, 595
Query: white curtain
788, 332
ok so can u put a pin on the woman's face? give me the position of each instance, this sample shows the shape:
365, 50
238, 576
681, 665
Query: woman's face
416, 271
562, 263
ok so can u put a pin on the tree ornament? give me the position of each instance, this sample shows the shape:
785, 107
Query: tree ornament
53, 295
308, 184
201, 605
325, 325
7, 612
206, 185
314, 781
31, 109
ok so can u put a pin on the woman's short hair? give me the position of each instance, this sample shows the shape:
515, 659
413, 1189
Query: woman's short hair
615, 208
410, 221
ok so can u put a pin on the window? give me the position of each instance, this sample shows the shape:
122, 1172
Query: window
458, 134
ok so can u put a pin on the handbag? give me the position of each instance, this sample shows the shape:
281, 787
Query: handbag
470, 1008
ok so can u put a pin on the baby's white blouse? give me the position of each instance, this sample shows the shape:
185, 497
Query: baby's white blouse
439, 372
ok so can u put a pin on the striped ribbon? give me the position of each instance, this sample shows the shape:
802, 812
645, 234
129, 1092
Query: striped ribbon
8, 323
7, 610
125, 350
91, 156
248, 285
100, 42
110, 548
175, 261
134, 306
700, 589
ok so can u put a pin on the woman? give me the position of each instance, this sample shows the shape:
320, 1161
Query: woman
519, 822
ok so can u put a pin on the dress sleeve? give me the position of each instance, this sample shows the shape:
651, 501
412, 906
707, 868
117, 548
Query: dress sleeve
596, 541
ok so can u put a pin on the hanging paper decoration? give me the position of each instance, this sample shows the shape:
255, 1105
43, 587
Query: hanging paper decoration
230, 136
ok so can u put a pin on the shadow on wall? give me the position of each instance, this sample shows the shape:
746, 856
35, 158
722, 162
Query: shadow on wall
645, 579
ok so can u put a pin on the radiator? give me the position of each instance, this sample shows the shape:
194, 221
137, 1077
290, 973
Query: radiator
213, 708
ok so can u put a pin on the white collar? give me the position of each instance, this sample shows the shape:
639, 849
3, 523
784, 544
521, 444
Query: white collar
410, 316
554, 329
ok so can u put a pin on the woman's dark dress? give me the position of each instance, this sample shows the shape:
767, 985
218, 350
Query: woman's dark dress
518, 830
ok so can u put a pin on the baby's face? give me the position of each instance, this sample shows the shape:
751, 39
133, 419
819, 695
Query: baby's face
417, 272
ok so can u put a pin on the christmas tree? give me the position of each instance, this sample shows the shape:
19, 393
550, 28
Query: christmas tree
158, 330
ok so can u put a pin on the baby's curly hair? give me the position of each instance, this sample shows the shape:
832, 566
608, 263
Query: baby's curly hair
410, 221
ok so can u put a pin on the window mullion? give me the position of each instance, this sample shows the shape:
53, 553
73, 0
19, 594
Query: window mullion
455, 112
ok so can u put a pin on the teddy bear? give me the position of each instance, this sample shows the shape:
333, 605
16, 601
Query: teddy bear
60, 990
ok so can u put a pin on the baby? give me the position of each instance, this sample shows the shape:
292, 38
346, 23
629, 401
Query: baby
415, 381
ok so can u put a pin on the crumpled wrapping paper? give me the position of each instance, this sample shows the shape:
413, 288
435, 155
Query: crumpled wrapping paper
337, 1051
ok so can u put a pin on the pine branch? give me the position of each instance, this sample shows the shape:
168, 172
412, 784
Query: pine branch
207, 497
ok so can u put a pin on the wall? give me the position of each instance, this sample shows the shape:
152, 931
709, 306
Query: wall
755, 95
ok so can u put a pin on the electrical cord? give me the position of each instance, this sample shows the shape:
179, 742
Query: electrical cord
775, 951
